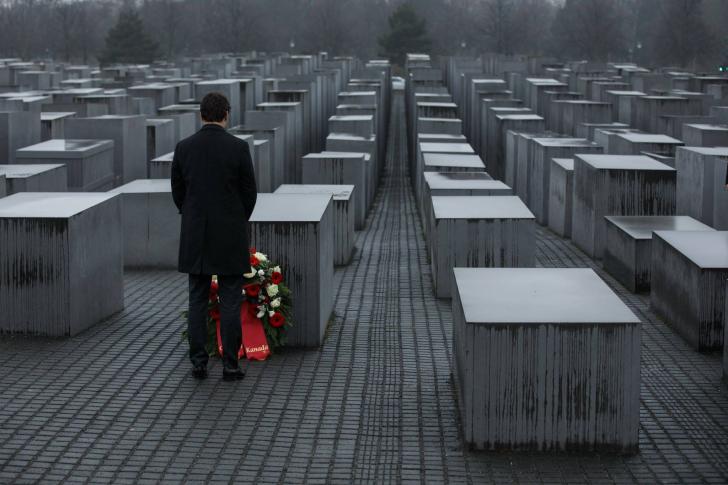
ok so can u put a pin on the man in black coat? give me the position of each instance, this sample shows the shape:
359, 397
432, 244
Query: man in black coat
213, 186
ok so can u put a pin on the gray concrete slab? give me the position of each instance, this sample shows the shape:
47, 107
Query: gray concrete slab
628, 249
689, 271
617, 185
344, 202
89, 163
637, 143
160, 137
34, 178
561, 196
705, 135
18, 129
52, 124
69, 248
538, 169
340, 168
478, 231
151, 224
129, 134
530, 318
700, 190
161, 167
297, 232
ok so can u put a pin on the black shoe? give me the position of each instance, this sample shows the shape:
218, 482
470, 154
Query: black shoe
199, 372
232, 374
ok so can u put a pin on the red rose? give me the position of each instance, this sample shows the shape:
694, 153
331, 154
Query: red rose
253, 250
276, 277
277, 320
254, 261
252, 291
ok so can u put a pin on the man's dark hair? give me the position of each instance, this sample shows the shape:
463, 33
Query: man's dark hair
214, 107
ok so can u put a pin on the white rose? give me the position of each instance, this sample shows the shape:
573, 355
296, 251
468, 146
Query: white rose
275, 303
261, 272
251, 274
270, 314
261, 257
277, 269
272, 290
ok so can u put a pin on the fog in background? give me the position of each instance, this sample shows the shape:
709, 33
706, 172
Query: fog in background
681, 33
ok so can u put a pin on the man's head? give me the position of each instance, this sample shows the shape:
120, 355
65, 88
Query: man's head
215, 108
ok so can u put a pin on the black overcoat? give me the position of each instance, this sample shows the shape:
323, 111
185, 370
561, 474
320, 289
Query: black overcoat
213, 186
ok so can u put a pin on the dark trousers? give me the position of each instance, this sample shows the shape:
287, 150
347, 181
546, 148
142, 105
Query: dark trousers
231, 298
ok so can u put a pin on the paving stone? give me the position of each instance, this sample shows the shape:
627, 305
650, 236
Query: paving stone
377, 398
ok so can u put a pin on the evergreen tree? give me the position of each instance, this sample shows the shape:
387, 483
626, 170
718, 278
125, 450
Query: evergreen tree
127, 42
407, 34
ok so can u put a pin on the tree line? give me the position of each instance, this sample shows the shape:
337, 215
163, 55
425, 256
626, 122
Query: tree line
682, 33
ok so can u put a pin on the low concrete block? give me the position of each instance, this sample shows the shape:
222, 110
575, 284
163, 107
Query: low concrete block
61, 263
628, 251
35, 178
297, 231
479, 232
90, 163
689, 271
638, 143
151, 224
520, 383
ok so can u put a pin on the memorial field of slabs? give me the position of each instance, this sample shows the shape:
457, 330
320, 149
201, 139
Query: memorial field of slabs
504, 268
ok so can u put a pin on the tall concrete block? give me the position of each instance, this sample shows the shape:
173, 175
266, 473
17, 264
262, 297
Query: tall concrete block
18, 129
561, 196
160, 138
52, 124
539, 169
340, 168
503, 123
699, 185
344, 214
230, 88
705, 135
129, 134
616, 185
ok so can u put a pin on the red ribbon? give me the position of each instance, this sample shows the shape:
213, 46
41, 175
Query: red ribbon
254, 344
